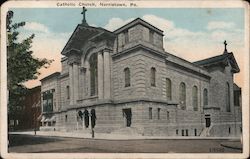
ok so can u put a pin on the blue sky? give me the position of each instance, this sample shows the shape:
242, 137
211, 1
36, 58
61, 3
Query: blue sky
190, 33
192, 19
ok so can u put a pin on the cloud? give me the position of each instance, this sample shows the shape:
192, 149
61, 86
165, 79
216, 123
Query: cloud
187, 44
46, 44
115, 23
34, 26
162, 23
220, 25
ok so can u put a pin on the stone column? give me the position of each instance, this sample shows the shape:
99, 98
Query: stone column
100, 75
71, 91
75, 82
106, 57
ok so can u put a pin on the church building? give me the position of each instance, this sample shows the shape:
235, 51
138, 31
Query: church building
124, 82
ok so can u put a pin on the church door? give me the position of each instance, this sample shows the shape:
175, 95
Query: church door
208, 121
128, 115
86, 118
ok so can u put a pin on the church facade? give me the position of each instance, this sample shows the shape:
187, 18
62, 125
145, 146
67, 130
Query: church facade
124, 82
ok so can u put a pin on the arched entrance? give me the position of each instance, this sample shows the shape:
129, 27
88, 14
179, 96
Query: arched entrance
86, 118
93, 118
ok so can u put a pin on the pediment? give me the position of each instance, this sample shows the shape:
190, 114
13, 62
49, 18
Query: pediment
221, 61
79, 38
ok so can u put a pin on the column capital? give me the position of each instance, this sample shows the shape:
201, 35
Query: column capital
74, 59
106, 49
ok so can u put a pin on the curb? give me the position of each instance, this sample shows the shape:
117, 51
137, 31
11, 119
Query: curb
232, 147
124, 137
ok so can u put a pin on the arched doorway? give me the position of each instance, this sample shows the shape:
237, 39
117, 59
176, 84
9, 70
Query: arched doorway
79, 119
93, 118
86, 118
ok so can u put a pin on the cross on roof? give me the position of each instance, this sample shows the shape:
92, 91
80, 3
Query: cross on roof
225, 43
83, 14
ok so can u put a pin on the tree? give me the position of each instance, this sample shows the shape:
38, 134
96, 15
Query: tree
21, 65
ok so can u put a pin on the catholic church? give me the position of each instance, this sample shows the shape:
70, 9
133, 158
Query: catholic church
124, 82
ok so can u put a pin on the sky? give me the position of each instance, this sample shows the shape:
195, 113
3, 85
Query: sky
190, 33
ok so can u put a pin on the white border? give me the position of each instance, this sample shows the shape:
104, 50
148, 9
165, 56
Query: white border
142, 4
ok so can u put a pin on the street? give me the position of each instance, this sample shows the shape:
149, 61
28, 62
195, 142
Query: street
42, 144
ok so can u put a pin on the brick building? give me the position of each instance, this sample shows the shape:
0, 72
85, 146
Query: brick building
124, 82
28, 112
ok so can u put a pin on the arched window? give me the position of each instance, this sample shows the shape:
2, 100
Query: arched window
168, 89
93, 74
205, 97
195, 97
152, 76
228, 109
68, 92
127, 77
182, 95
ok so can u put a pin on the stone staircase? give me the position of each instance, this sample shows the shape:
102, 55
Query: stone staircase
127, 131
206, 131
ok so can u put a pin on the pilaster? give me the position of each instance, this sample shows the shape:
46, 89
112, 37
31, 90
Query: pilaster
107, 88
100, 74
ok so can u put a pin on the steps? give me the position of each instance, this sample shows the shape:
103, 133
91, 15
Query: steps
127, 131
206, 131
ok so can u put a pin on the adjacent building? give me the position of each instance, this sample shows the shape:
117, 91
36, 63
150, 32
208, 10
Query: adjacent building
124, 82
28, 112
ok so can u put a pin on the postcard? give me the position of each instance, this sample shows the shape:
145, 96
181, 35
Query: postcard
125, 79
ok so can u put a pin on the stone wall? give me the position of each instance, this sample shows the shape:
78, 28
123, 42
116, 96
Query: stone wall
218, 84
64, 82
140, 64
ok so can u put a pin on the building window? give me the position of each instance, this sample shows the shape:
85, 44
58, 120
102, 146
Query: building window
236, 98
150, 113
158, 113
177, 132
153, 74
205, 97
93, 74
168, 89
68, 92
126, 37
182, 95
186, 132
151, 37
66, 118
47, 101
228, 109
229, 130
195, 132
195, 98
127, 77
168, 117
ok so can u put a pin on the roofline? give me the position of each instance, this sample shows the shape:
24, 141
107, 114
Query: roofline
229, 55
133, 22
55, 74
197, 62
79, 25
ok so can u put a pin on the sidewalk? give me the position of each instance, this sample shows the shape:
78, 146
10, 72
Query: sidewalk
78, 134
